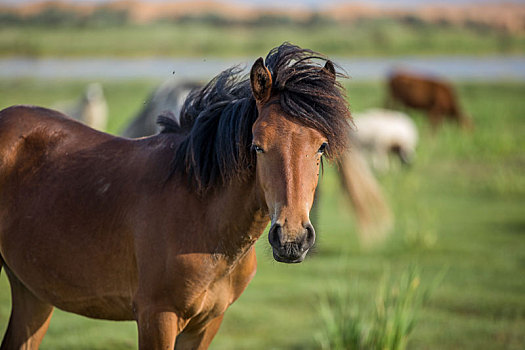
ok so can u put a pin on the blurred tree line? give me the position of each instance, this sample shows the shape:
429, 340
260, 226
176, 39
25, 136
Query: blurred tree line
54, 16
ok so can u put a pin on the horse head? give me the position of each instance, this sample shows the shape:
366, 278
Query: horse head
288, 156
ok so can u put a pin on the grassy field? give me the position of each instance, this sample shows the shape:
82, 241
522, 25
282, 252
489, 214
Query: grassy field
459, 209
373, 37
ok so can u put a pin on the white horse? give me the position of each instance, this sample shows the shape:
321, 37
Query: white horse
91, 108
382, 132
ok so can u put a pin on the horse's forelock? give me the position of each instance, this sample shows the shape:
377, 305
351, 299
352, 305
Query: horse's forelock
219, 117
310, 94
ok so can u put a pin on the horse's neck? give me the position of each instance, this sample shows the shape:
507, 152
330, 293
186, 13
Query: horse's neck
238, 220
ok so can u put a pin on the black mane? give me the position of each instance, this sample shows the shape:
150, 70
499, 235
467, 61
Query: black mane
218, 118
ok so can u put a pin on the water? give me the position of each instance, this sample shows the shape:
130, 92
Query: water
465, 68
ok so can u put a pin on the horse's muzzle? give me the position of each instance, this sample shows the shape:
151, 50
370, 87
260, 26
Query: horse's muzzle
290, 251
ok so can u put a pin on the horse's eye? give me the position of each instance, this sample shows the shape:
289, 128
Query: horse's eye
322, 148
257, 149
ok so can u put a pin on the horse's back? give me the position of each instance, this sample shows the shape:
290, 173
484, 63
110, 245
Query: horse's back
30, 135
17, 122
381, 129
423, 92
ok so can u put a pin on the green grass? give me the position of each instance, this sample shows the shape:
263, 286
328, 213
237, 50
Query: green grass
386, 323
373, 37
459, 208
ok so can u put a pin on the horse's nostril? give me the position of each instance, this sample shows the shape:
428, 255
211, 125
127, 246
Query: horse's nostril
310, 235
275, 235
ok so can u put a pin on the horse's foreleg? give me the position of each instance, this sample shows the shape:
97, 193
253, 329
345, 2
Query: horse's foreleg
29, 318
157, 329
199, 339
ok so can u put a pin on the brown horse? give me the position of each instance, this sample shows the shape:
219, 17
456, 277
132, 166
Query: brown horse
373, 216
161, 229
434, 96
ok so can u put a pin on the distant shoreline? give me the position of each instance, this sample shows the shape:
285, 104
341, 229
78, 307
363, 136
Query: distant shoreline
462, 68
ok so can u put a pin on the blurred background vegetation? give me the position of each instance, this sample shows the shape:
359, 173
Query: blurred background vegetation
450, 276
127, 28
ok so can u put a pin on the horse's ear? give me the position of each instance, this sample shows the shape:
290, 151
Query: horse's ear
261, 81
329, 68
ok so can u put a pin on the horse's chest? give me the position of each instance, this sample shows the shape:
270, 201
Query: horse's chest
217, 298
221, 293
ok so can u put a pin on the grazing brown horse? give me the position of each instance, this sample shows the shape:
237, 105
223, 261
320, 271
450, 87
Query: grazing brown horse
161, 229
436, 97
